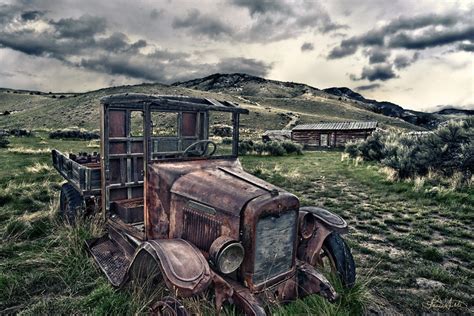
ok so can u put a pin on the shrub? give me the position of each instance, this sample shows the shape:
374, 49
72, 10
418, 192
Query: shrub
245, 147
352, 149
447, 151
275, 148
227, 141
291, 147
272, 148
73, 134
222, 130
372, 148
4, 142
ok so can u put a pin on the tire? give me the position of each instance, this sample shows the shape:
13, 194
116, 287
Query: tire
340, 257
70, 203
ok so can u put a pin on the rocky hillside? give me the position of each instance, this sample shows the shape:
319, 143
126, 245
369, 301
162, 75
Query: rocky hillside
246, 85
272, 104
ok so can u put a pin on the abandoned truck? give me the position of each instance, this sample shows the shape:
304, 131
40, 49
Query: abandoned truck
179, 209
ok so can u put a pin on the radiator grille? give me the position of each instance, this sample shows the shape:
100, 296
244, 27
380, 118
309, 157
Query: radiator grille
274, 245
200, 228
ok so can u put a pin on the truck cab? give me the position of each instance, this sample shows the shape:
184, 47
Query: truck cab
179, 203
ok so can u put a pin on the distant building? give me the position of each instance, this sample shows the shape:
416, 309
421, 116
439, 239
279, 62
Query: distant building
278, 135
331, 134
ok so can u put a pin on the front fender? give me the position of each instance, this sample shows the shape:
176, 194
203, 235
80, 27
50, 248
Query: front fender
183, 267
314, 230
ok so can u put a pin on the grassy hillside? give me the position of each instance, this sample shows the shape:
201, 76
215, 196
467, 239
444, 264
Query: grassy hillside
52, 111
412, 242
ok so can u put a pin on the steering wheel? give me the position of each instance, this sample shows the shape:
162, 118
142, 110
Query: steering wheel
192, 151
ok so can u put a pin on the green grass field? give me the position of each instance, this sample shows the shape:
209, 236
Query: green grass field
412, 242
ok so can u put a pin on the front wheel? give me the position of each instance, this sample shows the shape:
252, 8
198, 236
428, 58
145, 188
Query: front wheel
336, 255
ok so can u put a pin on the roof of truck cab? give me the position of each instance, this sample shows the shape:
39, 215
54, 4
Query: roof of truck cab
171, 102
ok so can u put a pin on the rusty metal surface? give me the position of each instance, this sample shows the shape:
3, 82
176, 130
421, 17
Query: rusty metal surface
311, 281
111, 260
212, 186
262, 206
184, 268
309, 250
334, 221
161, 177
168, 306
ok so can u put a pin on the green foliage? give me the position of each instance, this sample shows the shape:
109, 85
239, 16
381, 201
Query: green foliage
272, 148
275, 148
432, 254
448, 151
245, 147
292, 148
221, 130
372, 148
4, 142
227, 141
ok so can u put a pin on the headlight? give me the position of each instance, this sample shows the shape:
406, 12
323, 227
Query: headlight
307, 224
226, 254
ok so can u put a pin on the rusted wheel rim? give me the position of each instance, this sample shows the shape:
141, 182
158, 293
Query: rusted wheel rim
328, 265
168, 306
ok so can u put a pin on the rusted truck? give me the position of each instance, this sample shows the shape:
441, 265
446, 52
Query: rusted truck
180, 209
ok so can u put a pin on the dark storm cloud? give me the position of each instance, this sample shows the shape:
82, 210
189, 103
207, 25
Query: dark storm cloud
432, 38
377, 55
202, 24
404, 33
468, 47
368, 87
378, 72
274, 20
409, 33
261, 6
85, 42
246, 65
85, 26
31, 15
403, 61
306, 47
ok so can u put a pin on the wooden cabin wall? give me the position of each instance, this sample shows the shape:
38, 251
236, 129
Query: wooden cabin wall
337, 138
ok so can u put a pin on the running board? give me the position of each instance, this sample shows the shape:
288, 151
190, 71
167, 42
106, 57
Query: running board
110, 257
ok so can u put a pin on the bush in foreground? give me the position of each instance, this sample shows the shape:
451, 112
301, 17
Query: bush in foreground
448, 152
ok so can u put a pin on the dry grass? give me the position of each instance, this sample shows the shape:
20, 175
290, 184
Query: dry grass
28, 150
39, 168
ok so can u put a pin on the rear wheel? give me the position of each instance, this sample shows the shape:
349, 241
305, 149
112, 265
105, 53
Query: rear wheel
70, 203
337, 259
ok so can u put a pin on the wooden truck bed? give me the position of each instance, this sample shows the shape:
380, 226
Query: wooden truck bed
85, 178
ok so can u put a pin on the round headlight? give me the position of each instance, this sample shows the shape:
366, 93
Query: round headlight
307, 224
226, 254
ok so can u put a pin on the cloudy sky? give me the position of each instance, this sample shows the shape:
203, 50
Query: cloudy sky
417, 53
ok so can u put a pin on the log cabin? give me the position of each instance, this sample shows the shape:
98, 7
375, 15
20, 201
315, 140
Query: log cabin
331, 134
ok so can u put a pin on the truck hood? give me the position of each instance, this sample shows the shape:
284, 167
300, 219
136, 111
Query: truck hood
228, 189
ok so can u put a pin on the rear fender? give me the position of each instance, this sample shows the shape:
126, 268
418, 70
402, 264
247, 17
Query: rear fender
315, 224
183, 268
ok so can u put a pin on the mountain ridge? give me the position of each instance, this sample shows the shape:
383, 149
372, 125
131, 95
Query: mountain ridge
244, 85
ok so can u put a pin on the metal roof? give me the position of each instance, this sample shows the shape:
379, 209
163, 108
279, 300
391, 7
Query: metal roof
172, 102
337, 126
